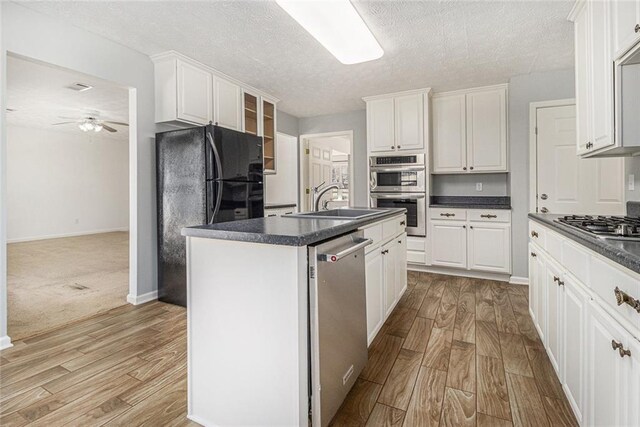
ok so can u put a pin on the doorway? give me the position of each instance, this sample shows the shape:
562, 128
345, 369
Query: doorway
67, 196
561, 181
326, 158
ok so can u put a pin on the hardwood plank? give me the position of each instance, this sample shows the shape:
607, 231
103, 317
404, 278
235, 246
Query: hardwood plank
487, 340
544, 374
400, 321
462, 367
107, 410
382, 355
358, 404
493, 398
431, 302
559, 412
385, 416
13, 420
446, 316
399, 385
484, 310
425, 405
143, 390
505, 319
484, 290
519, 304
19, 371
23, 399
528, 330
465, 325
159, 364
438, 349
528, 409
412, 277
413, 299
10, 390
31, 352
459, 408
514, 355
484, 420
418, 336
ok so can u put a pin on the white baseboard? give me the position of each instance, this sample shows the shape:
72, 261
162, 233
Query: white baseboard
500, 277
5, 342
59, 236
519, 280
141, 299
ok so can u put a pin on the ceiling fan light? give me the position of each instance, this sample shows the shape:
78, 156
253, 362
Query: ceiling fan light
97, 127
84, 126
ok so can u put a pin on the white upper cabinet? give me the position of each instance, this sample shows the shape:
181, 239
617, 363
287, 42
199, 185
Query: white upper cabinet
470, 131
449, 134
625, 25
227, 104
194, 94
380, 125
583, 108
397, 122
409, 122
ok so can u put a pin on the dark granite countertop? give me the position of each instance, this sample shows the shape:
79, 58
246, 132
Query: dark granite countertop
624, 252
279, 205
470, 202
285, 230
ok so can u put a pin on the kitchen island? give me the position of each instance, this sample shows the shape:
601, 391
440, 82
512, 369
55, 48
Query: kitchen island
249, 319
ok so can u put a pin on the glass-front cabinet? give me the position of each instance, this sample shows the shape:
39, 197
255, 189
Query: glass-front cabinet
259, 117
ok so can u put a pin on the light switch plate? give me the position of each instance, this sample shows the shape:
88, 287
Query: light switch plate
478, 186
632, 182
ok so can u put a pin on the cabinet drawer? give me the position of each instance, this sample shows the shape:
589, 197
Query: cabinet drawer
393, 227
482, 215
374, 233
416, 257
604, 280
448, 214
416, 244
553, 244
537, 233
576, 260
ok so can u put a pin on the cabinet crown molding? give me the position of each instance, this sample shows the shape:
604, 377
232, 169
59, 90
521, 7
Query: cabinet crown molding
172, 54
472, 90
426, 91
575, 10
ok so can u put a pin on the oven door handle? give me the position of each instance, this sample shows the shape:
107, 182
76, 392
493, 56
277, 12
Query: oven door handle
398, 196
398, 169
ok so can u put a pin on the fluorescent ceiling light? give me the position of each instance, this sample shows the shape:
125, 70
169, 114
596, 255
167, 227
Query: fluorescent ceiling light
337, 26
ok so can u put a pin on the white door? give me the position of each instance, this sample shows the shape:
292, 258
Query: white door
195, 91
487, 131
319, 167
583, 82
409, 122
574, 305
489, 247
228, 104
390, 253
375, 296
380, 125
449, 244
567, 184
601, 75
625, 15
554, 282
449, 134
401, 265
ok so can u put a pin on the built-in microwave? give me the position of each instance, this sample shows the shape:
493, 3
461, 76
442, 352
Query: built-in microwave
400, 173
627, 104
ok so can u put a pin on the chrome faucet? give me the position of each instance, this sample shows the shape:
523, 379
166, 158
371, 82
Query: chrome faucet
319, 191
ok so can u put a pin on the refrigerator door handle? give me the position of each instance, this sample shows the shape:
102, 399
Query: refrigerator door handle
216, 156
216, 208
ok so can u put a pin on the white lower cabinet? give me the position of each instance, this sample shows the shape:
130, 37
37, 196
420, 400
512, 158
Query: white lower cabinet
401, 265
591, 343
389, 255
449, 244
489, 247
375, 296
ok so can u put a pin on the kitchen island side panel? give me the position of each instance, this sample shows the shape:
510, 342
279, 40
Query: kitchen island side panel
247, 333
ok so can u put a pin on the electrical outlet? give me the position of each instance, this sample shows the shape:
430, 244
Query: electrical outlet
632, 182
478, 186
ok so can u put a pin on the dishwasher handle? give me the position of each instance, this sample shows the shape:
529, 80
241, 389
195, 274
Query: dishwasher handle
360, 243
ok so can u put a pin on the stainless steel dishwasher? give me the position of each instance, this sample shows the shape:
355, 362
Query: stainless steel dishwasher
338, 321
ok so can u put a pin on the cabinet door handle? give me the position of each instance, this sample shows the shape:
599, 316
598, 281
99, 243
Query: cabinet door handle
637, 28
464, 226
447, 214
624, 298
556, 279
398, 147
470, 167
618, 346
464, 168
488, 216
386, 251
393, 147
471, 227
533, 254
534, 234
403, 222
560, 283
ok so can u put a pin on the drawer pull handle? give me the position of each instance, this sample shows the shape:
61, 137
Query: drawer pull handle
618, 346
533, 254
386, 251
556, 279
624, 298
447, 214
488, 216
534, 234
403, 222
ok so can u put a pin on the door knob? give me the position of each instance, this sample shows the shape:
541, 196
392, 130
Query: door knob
544, 210
544, 196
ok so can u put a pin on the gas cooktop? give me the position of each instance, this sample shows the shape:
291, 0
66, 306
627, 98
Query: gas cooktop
608, 227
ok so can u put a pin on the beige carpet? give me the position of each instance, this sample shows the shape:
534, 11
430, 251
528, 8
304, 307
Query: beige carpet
57, 281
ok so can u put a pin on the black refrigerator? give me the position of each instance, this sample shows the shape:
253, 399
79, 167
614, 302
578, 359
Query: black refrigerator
205, 175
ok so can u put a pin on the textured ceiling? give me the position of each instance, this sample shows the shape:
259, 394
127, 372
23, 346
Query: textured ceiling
39, 95
445, 45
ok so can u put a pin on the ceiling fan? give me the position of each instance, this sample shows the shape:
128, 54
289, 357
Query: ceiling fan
92, 123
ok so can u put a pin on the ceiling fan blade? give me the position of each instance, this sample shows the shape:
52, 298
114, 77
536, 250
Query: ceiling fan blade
115, 123
69, 118
108, 128
62, 123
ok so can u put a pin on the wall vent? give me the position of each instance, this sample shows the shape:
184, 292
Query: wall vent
80, 87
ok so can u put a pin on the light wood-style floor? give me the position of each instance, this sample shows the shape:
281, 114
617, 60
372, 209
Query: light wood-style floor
457, 352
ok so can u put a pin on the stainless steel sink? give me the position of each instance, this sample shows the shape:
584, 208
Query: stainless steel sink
342, 213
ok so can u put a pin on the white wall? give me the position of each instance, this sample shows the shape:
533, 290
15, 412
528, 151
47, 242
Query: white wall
55, 178
34, 35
